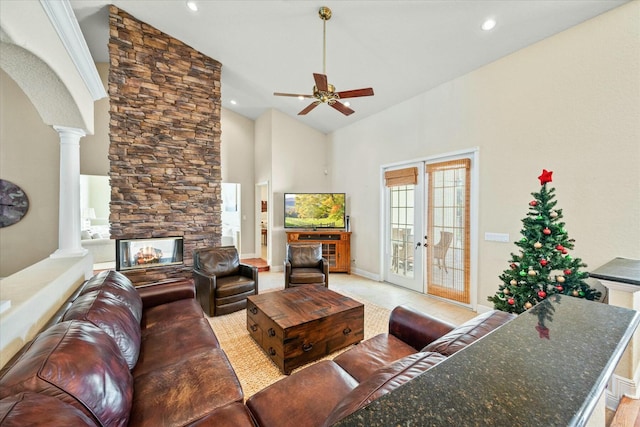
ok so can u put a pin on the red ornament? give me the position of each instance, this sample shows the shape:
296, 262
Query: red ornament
545, 176
559, 247
543, 262
567, 272
513, 266
546, 231
533, 203
542, 294
559, 288
565, 251
511, 301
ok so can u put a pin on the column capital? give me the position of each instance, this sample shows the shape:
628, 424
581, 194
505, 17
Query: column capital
69, 131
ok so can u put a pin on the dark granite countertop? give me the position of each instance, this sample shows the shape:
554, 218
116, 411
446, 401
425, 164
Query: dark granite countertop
619, 270
548, 367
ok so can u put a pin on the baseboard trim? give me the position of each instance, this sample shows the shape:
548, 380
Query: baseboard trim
620, 386
366, 274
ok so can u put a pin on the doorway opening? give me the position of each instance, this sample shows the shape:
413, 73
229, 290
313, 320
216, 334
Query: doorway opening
95, 235
262, 235
230, 216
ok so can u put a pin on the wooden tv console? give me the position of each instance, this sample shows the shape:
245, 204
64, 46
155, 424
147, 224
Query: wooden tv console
336, 246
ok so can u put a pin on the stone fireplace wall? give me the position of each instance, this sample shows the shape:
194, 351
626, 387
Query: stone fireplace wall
164, 141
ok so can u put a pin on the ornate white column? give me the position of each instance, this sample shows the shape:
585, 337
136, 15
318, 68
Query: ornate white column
69, 199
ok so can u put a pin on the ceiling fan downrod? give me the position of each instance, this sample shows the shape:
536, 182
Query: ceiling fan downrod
325, 15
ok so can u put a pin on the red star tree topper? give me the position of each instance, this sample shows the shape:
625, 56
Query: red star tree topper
545, 177
543, 267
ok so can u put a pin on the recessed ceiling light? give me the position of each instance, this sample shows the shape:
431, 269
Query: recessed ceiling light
301, 98
192, 5
233, 102
347, 103
489, 24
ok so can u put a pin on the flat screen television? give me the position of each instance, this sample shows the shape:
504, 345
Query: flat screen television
314, 210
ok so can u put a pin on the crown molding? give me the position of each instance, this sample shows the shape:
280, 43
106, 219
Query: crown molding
66, 25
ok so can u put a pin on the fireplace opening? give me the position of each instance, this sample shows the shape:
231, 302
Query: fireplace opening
148, 253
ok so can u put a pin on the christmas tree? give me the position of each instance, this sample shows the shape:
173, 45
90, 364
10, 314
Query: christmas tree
544, 266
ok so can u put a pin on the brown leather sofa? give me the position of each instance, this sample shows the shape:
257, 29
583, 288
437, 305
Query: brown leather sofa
415, 343
117, 355
304, 265
223, 283
121, 356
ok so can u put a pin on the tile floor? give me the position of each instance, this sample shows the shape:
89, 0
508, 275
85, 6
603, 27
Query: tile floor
379, 293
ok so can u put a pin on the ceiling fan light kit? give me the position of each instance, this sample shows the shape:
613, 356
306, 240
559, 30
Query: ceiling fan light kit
324, 92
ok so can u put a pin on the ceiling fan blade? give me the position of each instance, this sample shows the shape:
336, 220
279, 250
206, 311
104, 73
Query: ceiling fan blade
297, 95
321, 82
342, 108
309, 108
355, 93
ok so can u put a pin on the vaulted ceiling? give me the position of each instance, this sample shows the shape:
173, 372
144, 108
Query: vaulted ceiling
399, 48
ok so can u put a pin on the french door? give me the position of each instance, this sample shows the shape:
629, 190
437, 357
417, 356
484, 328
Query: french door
448, 234
404, 231
427, 228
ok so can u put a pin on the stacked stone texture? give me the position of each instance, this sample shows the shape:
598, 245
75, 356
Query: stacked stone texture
165, 141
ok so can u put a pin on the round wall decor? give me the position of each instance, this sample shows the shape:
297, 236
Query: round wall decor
14, 203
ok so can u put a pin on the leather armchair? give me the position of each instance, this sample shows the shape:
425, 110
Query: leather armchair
304, 265
222, 282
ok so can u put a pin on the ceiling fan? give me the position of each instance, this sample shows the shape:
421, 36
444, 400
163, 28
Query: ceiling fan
323, 92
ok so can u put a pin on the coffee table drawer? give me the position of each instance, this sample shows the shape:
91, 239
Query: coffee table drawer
254, 330
314, 340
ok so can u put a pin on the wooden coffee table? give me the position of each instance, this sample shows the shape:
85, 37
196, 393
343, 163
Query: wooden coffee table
299, 325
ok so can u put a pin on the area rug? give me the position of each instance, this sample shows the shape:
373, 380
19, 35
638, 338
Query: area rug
254, 369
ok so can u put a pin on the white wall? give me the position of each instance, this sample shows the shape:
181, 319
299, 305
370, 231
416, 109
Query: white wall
299, 161
94, 149
569, 104
30, 158
237, 163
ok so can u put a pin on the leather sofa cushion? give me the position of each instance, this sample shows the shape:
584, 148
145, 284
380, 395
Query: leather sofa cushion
118, 286
165, 291
304, 255
78, 363
218, 261
185, 391
305, 398
382, 382
165, 346
113, 317
469, 332
40, 410
233, 415
304, 275
362, 360
165, 315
